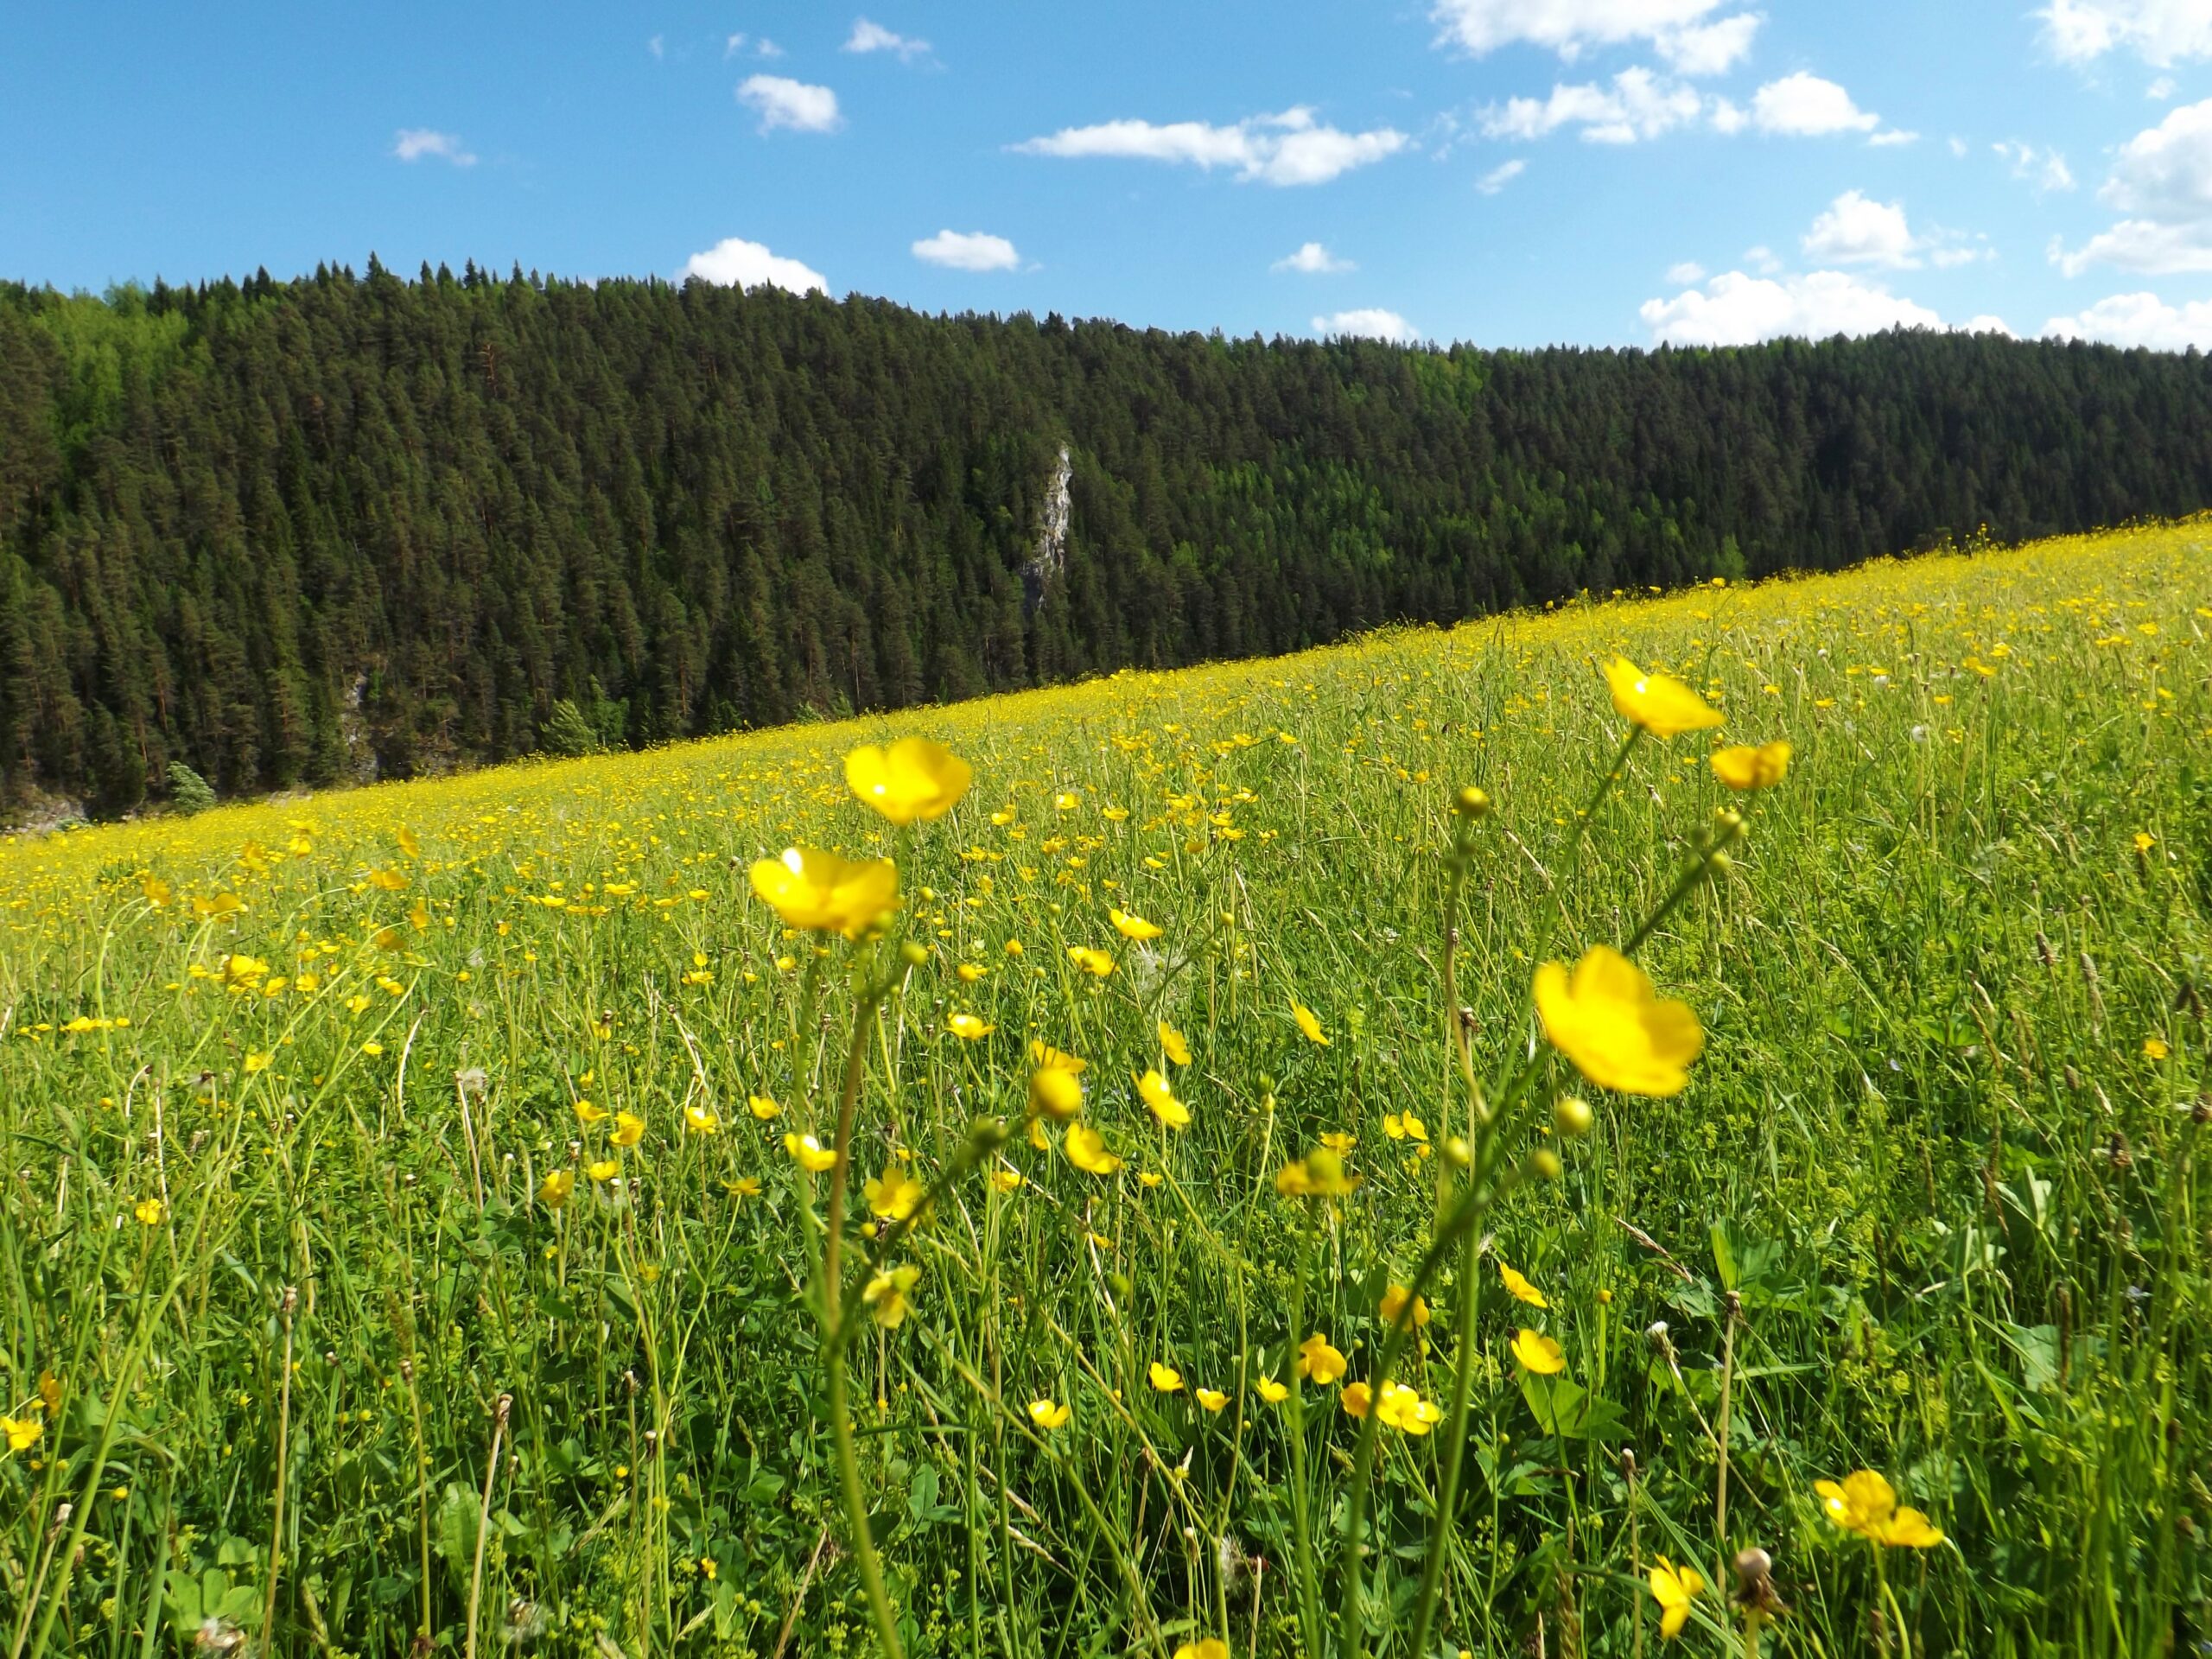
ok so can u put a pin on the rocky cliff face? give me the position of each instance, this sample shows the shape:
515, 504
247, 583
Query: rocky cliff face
1050, 562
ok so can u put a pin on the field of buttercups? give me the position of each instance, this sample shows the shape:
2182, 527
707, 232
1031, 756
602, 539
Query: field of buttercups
1674, 1123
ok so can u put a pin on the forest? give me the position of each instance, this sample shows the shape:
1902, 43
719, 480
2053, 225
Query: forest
351, 526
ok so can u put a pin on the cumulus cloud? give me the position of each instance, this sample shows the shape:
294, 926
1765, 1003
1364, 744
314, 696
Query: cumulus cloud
782, 102
2044, 168
1856, 230
1370, 322
2140, 320
1638, 104
2162, 180
1313, 259
1682, 30
414, 143
1292, 147
967, 250
1709, 48
735, 263
1805, 106
874, 37
2160, 32
1501, 176
1736, 308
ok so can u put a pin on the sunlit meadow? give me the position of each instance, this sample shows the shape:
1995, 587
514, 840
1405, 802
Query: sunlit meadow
508, 1213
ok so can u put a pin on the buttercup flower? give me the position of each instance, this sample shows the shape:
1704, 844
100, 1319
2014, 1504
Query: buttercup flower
1672, 1587
1086, 1150
1159, 1100
1212, 1399
1394, 1302
1402, 1409
1607, 1017
1318, 1361
605, 1169
969, 1028
1211, 1647
700, 1120
893, 1194
1538, 1353
761, 1107
628, 1129
1166, 1378
1745, 767
1173, 1044
822, 892
22, 1433
1357, 1398
1319, 1174
553, 1192
1045, 1415
1092, 962
1519, 1288
913, 778
1664, 706
148, 1210
1866, 1504
1272, 1391
1309, 1024
886, 1294
1132, 926
810, 1153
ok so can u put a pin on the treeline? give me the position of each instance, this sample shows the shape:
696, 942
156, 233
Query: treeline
287, 533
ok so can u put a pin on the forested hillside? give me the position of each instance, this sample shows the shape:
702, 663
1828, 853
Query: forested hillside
351, 526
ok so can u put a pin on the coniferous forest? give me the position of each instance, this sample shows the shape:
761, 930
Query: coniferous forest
351, 526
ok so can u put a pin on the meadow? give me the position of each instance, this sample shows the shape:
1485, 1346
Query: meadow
427, 1223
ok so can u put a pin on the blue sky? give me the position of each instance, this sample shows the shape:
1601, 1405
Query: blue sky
1507, 172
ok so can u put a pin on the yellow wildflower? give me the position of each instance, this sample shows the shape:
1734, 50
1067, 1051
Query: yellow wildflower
1519, 1288
1173, 1044
1045, 1415
1272, 1391
1319, 1362
810, 1153
1358, 1397
1745, 767
1401, 1408
1672, 1587
22, 1433
700, 1120
761, 1107
1166, 1378
1086, 1150
1394, 1302
148, 1211
969, 1028
629, 1129
1092, 962
1664, 706
1309, 1024
1538, 1353
1866, 1503
1211, 1399
913, 778
553, 1192
605, 1169
886, 1294
1131, 926
822, 892
1159, 1100
893, 1194
1608, 1020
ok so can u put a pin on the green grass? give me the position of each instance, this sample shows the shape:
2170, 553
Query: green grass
1940, 1147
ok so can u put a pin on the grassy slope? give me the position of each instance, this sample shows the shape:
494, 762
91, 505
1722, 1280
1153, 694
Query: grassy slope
1927, 1145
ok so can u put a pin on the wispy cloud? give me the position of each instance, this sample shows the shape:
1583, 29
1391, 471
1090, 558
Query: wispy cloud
417, 144
1501, 176
1289, 149
874, 37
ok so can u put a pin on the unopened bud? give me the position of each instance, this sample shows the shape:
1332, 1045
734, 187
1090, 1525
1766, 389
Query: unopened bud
915, 952
1572, 1116
1458, 1153
1544, 1162
1470, 803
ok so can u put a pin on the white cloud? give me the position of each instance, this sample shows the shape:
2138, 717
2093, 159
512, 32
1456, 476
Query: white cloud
2140, 320
1986, 324
874, 37
1958, 147
1292, 147
1684, 275
1313, 259
657, 47
782, 102
1728, 117
2045, 168
1892, 136
1806, 106
413, 144
1567, 27
1638, 104
1736, 310
1761, 259
967, 250
732, 47
1368, 323
1709, 48
2162, 179
1501, 176
768, 48
2158, 31
1856, 230
735, 263
2160, 90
